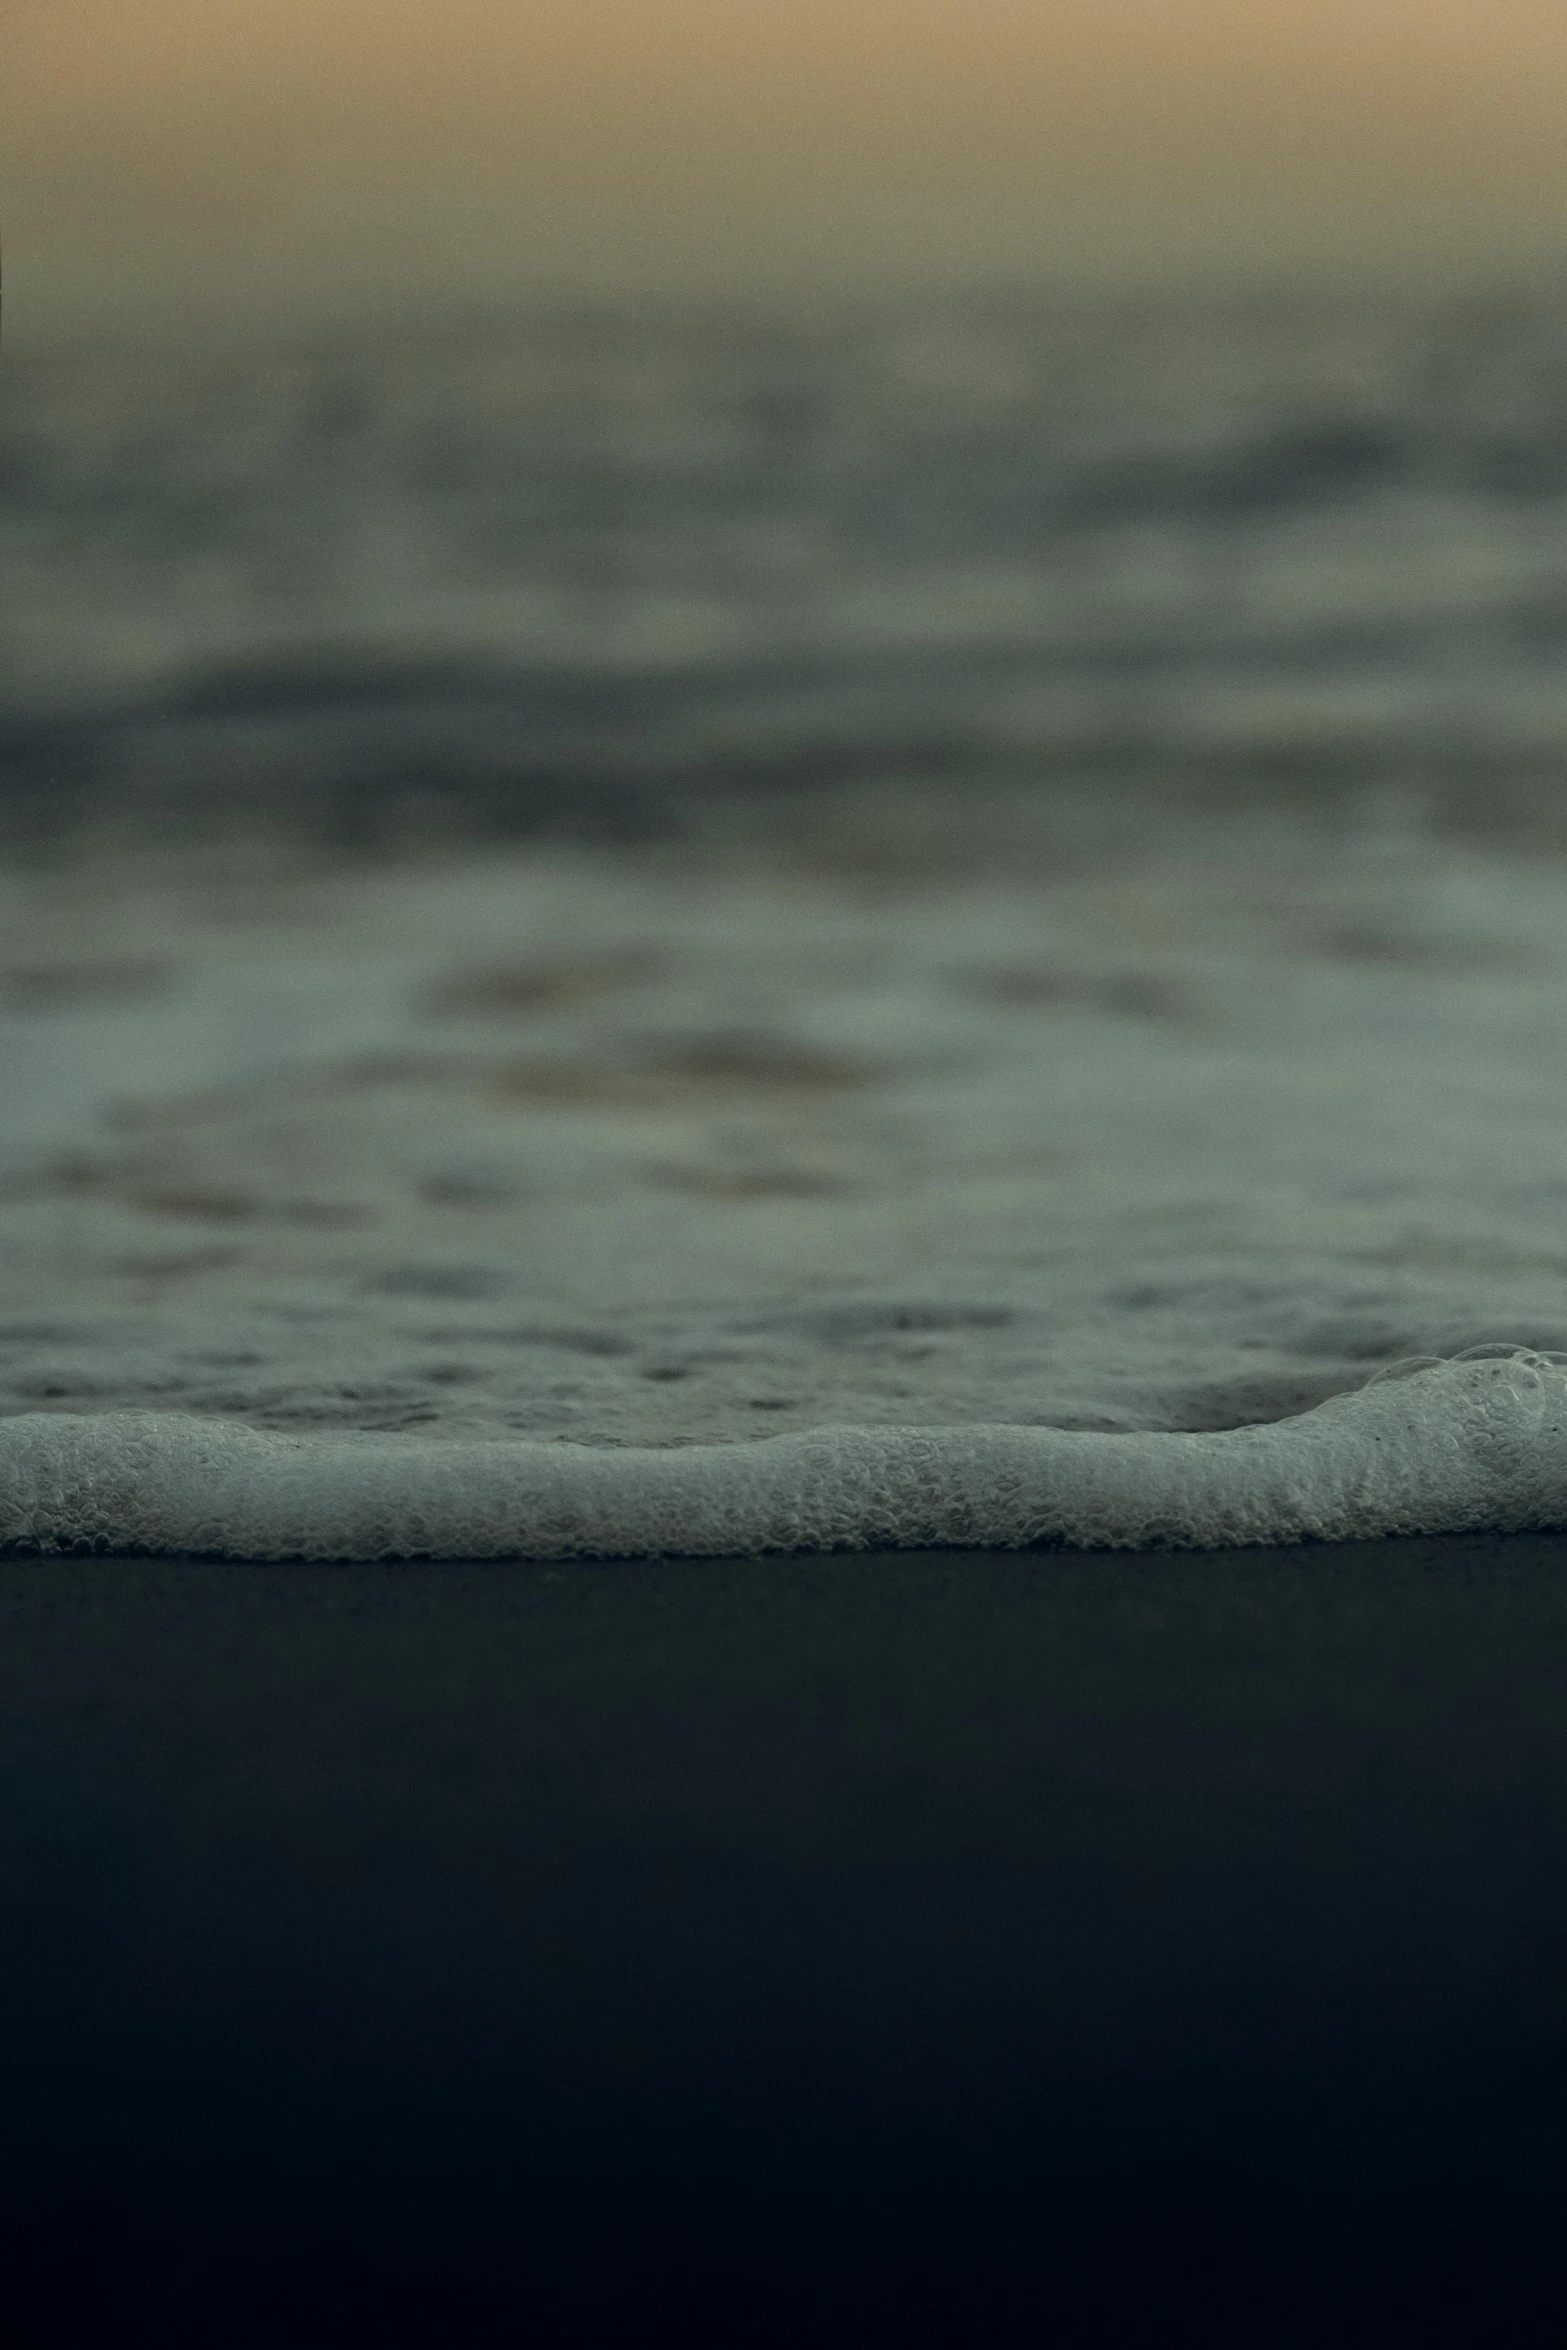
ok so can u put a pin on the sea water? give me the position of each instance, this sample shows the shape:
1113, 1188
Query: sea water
691, 929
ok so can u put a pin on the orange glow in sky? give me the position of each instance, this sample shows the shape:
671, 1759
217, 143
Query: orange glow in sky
477, 142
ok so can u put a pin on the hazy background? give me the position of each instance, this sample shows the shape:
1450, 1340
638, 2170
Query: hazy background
263, 150
806, 708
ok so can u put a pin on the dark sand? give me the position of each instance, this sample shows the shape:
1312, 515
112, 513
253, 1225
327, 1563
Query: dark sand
993, 1948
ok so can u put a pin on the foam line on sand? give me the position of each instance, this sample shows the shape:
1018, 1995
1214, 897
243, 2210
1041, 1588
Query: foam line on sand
1479, 1442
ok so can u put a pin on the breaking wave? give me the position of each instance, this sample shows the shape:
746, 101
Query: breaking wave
1475, 1443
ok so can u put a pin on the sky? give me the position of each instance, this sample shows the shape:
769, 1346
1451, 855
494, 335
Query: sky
262, 151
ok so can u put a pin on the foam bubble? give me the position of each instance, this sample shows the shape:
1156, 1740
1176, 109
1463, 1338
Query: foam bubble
1468, 1444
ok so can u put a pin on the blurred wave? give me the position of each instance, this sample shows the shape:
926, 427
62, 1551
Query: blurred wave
590, 569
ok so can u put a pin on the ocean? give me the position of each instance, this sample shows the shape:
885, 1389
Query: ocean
670, 927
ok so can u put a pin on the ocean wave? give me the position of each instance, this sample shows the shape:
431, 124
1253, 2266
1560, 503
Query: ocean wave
1475, 1443
571, 571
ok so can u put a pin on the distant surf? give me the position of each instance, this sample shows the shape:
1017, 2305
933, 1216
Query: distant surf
1477, 1443
586, 568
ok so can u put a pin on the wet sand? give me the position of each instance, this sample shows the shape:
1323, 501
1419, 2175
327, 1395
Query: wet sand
818, 1948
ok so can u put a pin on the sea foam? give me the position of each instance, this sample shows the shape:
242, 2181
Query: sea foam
1475, 1443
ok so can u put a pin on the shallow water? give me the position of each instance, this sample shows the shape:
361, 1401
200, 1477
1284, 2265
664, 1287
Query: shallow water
592, 1150
663, 881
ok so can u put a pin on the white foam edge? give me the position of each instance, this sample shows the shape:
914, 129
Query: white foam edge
1474, 1443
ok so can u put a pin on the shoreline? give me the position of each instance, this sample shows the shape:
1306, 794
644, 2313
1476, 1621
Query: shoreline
1429, 1446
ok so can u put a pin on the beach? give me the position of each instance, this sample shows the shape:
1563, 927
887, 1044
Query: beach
894, 933
854, 1942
